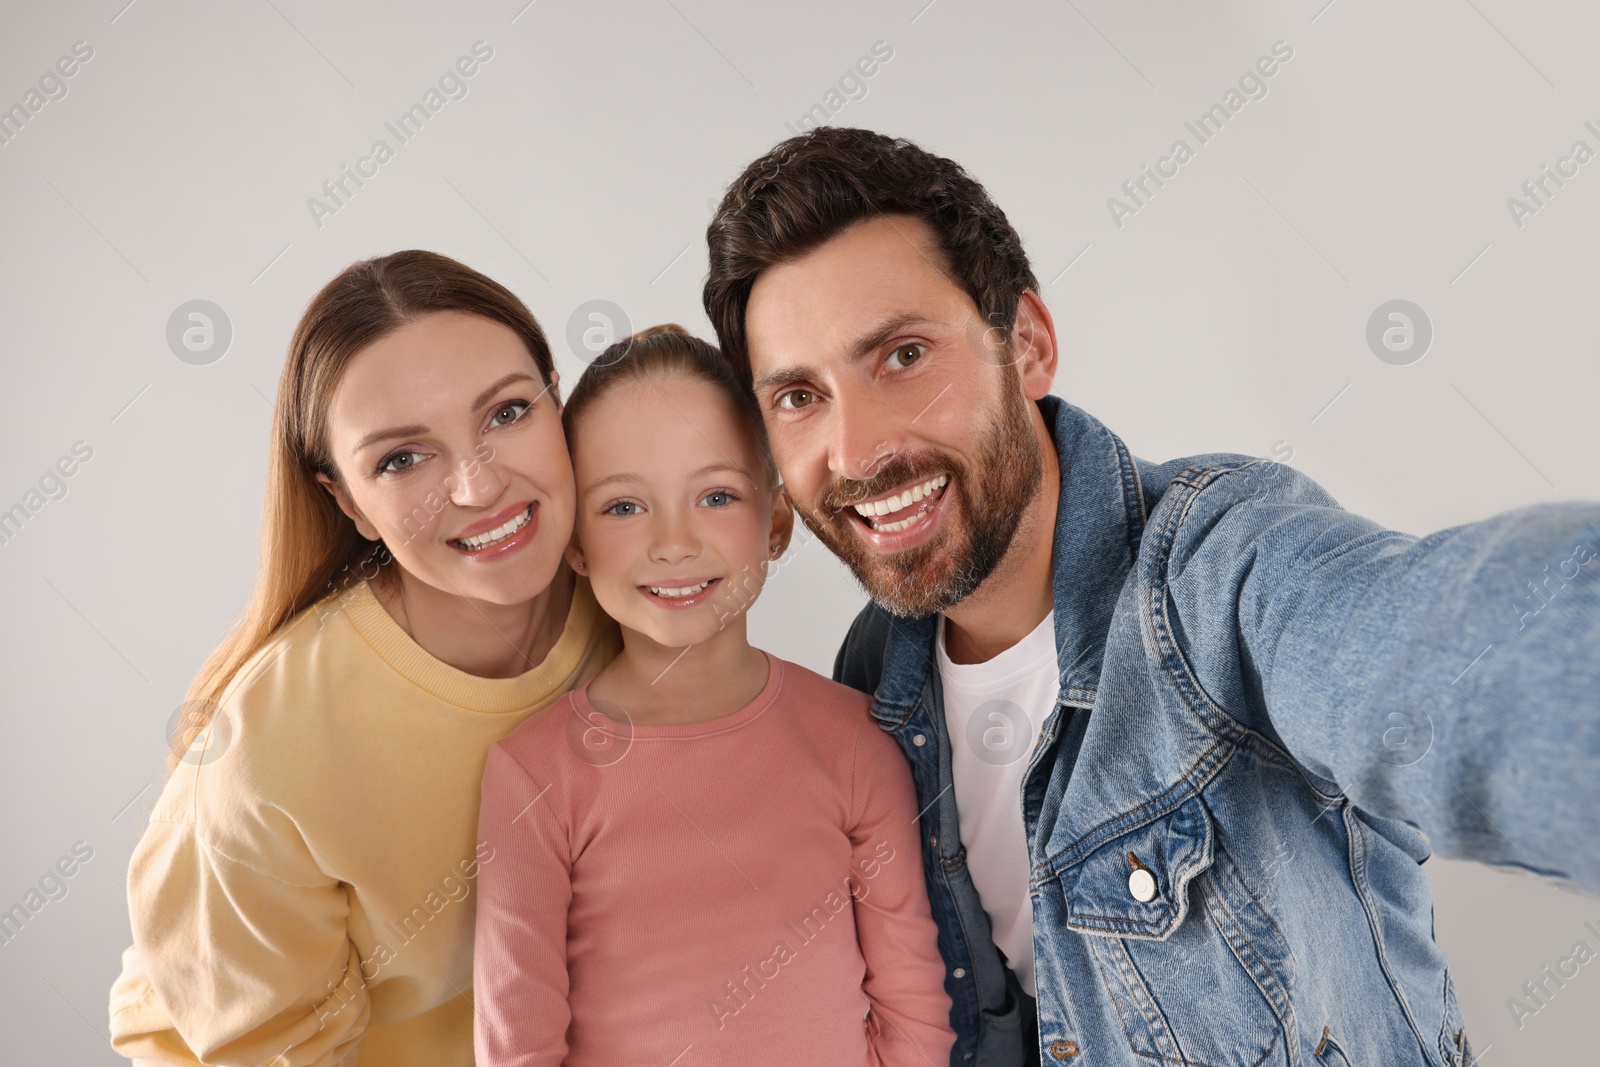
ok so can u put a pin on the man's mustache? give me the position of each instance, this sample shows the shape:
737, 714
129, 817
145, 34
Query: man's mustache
841, 493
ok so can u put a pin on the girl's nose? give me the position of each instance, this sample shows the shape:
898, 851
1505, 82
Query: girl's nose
674, 539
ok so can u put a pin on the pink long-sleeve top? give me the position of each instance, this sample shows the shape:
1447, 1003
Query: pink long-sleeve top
743, 890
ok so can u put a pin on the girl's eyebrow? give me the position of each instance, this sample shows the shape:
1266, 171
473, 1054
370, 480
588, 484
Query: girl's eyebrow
629, 476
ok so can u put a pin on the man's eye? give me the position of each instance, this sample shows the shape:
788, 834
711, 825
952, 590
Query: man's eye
509, 412
796, 398
902, 356
397, 462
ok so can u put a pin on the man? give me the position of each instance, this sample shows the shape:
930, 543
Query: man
1184, 732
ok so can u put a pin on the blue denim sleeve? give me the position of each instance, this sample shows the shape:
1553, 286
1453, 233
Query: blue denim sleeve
1451, 681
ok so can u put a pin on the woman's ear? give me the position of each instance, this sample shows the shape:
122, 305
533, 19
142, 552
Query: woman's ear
341, 496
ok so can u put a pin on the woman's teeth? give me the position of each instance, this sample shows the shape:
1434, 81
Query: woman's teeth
499, 533
674, 591
873, 509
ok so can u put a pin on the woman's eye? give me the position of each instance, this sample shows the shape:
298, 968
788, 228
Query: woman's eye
719, 498
902, 356
796, 398
622, 507
397, 462
509, 412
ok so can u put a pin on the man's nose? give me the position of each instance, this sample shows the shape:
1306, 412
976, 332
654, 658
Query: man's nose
864, 436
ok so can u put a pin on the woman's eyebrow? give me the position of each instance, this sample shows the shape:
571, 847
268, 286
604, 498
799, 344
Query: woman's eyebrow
488, 394
414, 430
417, 429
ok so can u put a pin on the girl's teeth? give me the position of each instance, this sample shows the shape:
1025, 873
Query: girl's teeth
499, 533
904, 500
677, 591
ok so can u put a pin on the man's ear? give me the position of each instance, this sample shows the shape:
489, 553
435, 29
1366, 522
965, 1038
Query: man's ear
341, 495
1034, 341
782, 522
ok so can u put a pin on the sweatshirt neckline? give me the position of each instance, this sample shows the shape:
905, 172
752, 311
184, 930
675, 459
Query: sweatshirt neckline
599, 720
533, 688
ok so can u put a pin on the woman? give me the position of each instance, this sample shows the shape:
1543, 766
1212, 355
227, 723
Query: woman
303, 891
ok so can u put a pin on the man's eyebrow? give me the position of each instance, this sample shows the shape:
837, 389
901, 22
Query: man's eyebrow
417, 429
622, 477
863, 346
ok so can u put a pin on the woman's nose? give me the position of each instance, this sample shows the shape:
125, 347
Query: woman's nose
475, 483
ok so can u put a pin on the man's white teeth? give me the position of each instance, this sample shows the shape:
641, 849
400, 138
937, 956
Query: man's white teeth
677, 591
499, 533
896, 527
904, 500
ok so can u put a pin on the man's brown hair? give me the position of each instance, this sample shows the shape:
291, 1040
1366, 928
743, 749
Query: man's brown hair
813, 187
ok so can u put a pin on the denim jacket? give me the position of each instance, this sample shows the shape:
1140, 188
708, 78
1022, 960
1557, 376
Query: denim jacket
1273, 709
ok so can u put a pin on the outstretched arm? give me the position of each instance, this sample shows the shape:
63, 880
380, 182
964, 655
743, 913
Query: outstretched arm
1452, 681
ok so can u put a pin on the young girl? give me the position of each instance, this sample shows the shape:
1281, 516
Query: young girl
707, 855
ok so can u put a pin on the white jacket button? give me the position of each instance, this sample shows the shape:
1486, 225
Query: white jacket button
1142, 886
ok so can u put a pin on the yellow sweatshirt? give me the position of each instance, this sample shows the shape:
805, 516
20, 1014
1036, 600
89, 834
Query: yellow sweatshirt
303, 893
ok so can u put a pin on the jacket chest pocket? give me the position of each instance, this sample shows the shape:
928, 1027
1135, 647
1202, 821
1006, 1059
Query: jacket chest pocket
1193, 965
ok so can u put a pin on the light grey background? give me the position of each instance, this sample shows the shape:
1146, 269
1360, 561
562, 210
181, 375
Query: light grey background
1228, 313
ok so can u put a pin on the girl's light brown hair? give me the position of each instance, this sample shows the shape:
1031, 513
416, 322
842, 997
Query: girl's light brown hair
656, 353
309, 548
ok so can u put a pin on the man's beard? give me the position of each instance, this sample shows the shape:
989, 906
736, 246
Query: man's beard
994, 491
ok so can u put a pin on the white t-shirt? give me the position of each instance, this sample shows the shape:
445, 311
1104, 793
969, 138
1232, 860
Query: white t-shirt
994, 711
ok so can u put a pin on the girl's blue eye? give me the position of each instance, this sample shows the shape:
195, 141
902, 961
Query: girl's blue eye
617, 508
719, 498
509, 412
397, 462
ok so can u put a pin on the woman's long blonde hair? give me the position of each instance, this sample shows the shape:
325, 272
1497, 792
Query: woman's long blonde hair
307, 543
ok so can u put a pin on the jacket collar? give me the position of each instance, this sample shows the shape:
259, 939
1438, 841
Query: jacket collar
1099, 520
